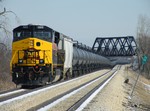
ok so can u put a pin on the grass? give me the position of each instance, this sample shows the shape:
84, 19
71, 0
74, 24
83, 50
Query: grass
6, 82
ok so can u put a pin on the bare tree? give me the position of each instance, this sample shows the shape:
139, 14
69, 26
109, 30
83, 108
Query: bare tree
5, 32
4, 21
5, 53
143, 41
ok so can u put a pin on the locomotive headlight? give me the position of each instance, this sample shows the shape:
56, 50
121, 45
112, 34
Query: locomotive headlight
31, 43
20, 61
41, 61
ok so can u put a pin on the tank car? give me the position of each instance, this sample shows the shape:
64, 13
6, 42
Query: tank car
85, 60
41, 55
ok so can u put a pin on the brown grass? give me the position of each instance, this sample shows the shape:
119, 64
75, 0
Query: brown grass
141, 97
6, 82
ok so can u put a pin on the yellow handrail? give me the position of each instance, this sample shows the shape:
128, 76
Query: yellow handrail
47, 56
12, 59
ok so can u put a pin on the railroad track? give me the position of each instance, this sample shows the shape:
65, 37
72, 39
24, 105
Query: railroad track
56, 96
10, 94
79, 97
80, 105
5, 95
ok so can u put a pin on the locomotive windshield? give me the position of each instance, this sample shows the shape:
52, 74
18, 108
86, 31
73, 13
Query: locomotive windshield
32, 31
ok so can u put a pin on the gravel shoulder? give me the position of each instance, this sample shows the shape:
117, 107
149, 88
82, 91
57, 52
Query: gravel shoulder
115, 96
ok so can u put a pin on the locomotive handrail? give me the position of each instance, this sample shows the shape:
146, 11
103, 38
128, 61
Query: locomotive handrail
46, 55
13, 58
63, 59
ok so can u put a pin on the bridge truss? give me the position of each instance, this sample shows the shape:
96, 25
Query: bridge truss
115, 46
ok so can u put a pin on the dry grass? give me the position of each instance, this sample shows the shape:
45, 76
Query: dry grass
6, 82
5, 77
141, 97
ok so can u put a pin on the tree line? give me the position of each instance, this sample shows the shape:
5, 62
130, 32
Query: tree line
143, 42
5, 49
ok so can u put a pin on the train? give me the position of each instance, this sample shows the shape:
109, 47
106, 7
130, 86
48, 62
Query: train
41, 55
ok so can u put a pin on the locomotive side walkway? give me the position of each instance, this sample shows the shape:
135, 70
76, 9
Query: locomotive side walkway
115, 96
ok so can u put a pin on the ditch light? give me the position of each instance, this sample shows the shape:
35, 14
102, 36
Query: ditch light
20, 61
41, 61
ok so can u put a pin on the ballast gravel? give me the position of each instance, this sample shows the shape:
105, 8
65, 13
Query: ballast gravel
111, 97
34, 100
65, 105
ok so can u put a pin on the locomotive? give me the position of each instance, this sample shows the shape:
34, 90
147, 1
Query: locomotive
41, 55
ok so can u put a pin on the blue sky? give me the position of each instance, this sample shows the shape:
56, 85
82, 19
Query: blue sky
82, 20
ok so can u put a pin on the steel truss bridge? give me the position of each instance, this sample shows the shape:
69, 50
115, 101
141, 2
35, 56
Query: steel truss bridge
115, 46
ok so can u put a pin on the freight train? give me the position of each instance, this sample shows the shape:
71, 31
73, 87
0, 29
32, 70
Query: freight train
41, 55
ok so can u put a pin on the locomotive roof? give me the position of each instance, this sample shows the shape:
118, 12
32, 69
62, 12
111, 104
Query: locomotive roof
32, 27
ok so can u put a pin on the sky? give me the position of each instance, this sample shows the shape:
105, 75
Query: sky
82, 20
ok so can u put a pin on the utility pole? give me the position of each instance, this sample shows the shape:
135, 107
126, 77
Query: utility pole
144, 61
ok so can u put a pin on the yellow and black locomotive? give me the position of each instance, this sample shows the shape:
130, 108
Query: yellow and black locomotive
34, 55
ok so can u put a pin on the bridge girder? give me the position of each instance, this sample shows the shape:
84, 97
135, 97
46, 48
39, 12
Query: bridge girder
115, 46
